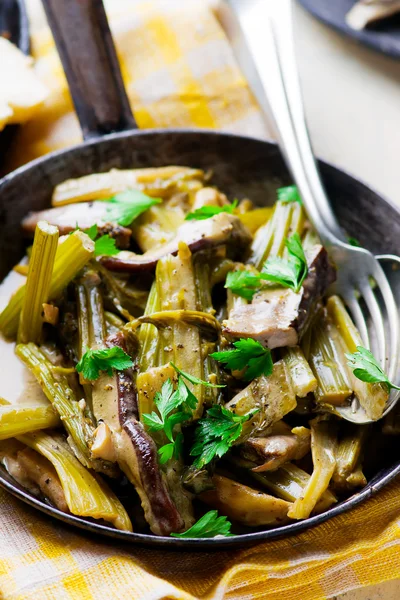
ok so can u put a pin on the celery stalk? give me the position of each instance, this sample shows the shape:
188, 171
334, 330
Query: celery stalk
16, 419
303, 379
326, 360
288, 483
62, 397
372, 396
323, 449
85, 493
148, 334
71, 256
37, 285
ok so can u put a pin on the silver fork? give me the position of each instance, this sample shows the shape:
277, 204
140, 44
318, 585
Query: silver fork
267, 27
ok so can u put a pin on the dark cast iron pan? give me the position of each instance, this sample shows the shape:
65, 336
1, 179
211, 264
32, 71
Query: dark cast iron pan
242, 167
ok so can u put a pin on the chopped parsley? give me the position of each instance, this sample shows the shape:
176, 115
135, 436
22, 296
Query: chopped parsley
208, 526
366, 368
216, 433
126, 206
104, 359
206, 212
248, 354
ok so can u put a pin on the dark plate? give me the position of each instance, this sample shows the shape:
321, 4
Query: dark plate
14, 26
242, 167
383, 36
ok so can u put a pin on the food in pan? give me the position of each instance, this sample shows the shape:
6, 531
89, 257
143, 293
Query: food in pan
192, 355
366, 12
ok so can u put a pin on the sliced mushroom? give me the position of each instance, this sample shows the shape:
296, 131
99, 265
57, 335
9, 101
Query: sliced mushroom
68, 218
115, 404
278, 317
273, 451
223, 228
33, 471
244, 504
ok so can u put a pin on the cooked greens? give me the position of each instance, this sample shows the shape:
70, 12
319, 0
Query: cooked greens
189, 349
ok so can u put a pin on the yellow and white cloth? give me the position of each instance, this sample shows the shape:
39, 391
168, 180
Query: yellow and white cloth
179, 71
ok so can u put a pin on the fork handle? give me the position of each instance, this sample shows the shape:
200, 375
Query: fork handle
267, 27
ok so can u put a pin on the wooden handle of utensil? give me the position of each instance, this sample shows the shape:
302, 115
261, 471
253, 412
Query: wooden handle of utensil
86, 48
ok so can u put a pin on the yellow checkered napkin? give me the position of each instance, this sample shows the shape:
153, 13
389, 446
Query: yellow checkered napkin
179, 71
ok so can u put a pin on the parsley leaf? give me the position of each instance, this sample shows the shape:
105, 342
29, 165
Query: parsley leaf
289, 272
206, 212
167, 401
127, 206
103, 359
208, 526
216, 433
243, 283
353, 242
195, 380
92, 232
288, 194
366, 368
248, 354
105, 246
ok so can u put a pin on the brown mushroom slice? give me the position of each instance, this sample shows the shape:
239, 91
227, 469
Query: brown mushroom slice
278, 317
275, 450
115, 404
68, 218
244, 504
223, 228
33, 471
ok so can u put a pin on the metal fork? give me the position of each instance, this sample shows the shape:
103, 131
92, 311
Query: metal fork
267, 27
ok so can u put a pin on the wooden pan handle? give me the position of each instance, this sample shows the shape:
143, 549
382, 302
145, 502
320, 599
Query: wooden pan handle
86, 48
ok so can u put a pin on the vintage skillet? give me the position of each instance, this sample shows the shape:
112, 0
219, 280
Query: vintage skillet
242, 166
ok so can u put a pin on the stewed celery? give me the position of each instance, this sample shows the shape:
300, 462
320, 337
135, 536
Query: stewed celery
86, 494
181, 342
372, 396
72, 254
348, 456
37, 285
16, 419
303, 379
323, 450
61, 395
328, 363
158, 182
273, 396
289, 482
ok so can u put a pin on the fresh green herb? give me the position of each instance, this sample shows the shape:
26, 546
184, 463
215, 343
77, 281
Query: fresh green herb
206, 212
127, 206
104, 246
167, 401
104, 359
208, 526
366, 368
288, 194
243, 283
353, 242
195, 380
289, 272
248, 354
216, 433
